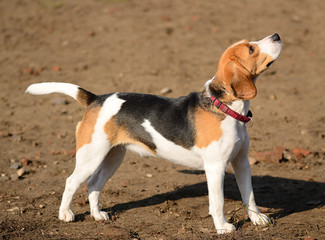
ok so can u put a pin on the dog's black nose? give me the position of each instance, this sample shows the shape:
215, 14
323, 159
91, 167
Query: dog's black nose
275, 37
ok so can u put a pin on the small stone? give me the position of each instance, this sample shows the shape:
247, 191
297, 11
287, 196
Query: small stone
252, 160
149, 175
57, 69
300, 152
92, 34
274, 156
296, 18
28, 71
42, 205
165, 90
82, 202
303, 131
70, 152
20, 172
204, 230
287, 155
272, 97
13, 209
15, 165
64, 111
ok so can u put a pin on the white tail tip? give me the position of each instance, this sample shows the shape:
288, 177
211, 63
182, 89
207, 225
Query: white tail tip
53, 87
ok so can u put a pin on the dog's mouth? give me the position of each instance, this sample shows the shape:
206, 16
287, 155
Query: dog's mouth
269, 64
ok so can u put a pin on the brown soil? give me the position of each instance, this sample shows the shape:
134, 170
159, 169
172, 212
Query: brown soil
145, 46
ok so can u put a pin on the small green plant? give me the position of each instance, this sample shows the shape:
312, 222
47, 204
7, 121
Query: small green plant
237, 215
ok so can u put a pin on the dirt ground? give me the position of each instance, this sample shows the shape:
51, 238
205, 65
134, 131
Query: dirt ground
146, 46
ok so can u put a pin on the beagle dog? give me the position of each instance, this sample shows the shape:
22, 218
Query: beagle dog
203, 130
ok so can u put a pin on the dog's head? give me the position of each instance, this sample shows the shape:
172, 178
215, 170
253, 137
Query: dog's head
244, 61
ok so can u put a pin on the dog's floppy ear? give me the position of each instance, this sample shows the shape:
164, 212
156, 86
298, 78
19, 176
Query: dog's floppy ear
240, 81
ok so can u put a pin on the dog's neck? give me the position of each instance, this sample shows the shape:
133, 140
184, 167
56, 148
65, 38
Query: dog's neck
212, 88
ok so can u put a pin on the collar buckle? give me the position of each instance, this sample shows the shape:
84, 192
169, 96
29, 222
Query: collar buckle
250, 123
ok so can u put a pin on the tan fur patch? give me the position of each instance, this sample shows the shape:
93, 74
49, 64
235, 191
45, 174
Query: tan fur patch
118, 135
208, 128
86, 127
84, 97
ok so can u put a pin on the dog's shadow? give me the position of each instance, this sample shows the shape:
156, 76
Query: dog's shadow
286, 195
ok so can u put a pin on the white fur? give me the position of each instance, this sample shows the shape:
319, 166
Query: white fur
206, 86
269, 47
88, 159
139, 150
53, 87
216, 157
172, 152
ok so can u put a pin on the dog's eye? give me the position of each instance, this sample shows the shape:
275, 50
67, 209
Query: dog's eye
251, 49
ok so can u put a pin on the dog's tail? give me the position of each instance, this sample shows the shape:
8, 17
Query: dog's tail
84, 97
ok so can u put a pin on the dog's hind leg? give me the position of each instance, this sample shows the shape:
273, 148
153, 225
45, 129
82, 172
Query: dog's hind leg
97, 181
88, 159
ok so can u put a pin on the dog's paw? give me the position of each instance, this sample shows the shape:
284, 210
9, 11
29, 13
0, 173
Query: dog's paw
258, 218
225, 228
66, 215
100, 216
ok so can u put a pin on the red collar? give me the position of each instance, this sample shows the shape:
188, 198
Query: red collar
227, 110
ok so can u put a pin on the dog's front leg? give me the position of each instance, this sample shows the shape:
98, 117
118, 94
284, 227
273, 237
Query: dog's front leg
215, 177
242, 171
